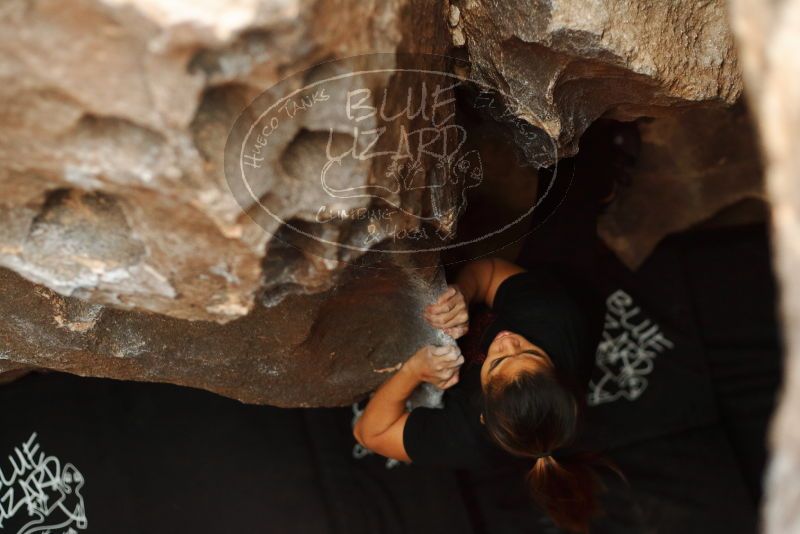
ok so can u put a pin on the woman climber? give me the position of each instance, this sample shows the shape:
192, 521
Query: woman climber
522, 398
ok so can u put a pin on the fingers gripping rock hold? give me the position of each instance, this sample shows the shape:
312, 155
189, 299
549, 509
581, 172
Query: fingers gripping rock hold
430, 395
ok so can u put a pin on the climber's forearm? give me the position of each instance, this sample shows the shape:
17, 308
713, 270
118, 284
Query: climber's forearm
381, 426
387, 406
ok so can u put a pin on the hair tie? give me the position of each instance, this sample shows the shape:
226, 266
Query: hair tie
542, 455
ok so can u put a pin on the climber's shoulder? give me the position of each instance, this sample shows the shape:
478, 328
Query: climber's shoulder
489, 274
451, 437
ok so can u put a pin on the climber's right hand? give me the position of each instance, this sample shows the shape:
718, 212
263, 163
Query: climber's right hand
437, 365
449, 313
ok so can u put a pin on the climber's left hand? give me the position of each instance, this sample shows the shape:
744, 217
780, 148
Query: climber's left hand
437, 365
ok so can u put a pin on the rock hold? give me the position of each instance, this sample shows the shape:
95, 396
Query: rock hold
562, 64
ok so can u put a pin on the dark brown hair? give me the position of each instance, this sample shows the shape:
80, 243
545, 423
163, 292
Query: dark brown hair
532, 415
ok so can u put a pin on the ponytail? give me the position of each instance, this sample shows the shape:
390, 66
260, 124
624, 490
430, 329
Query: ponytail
566, 489
536, 413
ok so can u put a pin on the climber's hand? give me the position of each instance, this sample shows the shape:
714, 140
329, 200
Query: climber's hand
436, 365
452, 381
449, 313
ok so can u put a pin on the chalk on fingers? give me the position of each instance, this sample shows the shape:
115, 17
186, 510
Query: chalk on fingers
447, 294
441, 351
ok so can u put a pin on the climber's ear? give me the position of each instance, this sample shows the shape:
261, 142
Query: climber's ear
482, 422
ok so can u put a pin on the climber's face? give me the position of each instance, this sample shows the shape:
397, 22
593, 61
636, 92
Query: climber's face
508, 354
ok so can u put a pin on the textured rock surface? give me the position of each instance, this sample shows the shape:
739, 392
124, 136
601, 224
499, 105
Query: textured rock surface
768, 36
114, 120
562, 64
113, 196
315, 350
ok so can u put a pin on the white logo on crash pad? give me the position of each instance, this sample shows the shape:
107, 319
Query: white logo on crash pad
39, 494
626, 354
